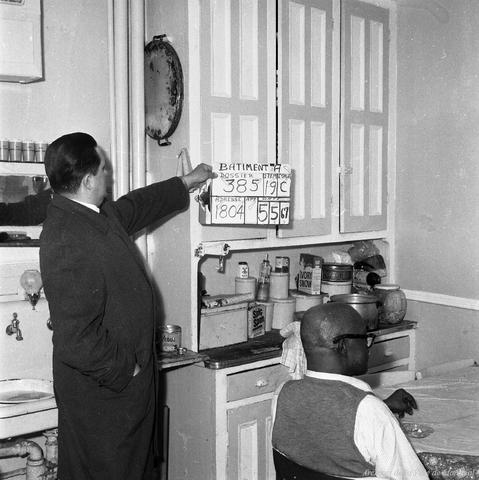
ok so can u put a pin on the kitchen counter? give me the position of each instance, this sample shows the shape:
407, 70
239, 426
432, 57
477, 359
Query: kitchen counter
174, 359
255, 349
269, 346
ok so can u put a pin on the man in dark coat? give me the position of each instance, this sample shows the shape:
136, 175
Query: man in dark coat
102, 309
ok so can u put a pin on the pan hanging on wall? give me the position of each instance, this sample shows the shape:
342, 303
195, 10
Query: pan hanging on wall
164, 89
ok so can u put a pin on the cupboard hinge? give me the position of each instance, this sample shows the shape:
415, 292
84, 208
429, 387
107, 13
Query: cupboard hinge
214, 249
345, 170
331, 24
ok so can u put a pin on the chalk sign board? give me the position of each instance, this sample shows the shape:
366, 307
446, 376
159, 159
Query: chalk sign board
248, 194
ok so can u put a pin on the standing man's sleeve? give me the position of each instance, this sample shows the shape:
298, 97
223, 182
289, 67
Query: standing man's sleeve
143, 206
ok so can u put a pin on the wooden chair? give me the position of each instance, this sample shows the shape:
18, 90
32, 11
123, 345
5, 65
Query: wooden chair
288, 470
387, 379
443, 368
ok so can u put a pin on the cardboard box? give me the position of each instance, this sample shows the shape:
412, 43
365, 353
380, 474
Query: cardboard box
309, 279
223, 325
256, 319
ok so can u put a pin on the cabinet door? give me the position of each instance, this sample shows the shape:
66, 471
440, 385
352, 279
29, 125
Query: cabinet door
237, 90
364, 127
249, 443
306, 132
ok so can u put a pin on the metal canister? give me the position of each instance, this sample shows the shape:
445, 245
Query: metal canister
337, 272
243, 270
170, 338
337, 278
281, 264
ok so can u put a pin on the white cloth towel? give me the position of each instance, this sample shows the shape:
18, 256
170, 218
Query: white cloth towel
293, 355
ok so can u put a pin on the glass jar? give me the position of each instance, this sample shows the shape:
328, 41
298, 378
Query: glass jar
393, 301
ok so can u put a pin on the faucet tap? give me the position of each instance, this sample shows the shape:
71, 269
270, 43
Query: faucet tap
14, 328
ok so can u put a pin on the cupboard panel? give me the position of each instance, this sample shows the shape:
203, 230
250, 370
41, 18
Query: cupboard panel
235, 104
249, 446
305, 116
364, 119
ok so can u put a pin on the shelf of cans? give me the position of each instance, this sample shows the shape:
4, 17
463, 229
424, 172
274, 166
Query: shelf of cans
26, 151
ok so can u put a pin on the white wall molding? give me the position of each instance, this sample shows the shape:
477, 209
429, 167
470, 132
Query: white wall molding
440, 299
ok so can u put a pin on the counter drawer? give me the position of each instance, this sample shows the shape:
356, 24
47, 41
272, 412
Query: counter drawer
389, 351
255, 382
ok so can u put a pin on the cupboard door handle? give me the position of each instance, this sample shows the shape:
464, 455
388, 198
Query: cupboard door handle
261, 383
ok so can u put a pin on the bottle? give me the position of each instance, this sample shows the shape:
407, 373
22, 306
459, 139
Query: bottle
366, 278
263, 280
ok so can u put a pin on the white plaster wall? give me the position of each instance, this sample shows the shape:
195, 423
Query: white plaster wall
444, 334
74, 96
169, 247
32, 356
74, 93
437, 149
437, 218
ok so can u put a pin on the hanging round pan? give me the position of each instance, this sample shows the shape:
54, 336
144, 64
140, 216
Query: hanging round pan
163, 89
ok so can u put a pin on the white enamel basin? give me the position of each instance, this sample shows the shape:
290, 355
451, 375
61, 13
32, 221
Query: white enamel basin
26, 406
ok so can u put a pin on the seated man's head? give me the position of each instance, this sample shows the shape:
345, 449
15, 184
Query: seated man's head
334, 339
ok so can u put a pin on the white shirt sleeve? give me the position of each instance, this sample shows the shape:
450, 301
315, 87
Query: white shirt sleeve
381, 441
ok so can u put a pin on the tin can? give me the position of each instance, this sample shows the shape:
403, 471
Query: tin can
281, 265
337, 272
170, 338
243, 270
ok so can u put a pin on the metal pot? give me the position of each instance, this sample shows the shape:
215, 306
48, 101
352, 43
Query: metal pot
365, 305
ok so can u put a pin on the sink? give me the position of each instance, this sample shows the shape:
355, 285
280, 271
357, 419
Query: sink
26, 406
25, 390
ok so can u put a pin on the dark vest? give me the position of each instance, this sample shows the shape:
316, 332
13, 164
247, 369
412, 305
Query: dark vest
314, 426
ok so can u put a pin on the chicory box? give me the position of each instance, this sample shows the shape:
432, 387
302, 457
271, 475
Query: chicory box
309, 278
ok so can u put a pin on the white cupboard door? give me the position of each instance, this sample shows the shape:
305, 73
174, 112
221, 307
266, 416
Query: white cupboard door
364, 116
237, 91
305, 137
250, 454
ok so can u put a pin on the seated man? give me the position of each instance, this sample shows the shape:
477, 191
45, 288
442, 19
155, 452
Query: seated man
330, 421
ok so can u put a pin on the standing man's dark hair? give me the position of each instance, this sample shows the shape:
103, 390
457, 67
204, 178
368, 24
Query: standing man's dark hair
68, 159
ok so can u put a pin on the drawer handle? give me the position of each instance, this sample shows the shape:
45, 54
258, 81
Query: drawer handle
261, 383
388, 352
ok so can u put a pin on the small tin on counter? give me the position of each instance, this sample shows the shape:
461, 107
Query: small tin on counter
337, 278
279, 285
337, 272
243, 270
245, 285
305, 301
283, 311
170, 338
268, 314
281, 265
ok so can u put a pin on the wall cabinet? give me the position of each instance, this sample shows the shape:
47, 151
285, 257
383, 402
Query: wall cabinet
333, 116
220, 420
303, 82
311, 90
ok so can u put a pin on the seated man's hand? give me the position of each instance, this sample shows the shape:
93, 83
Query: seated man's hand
401, 402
